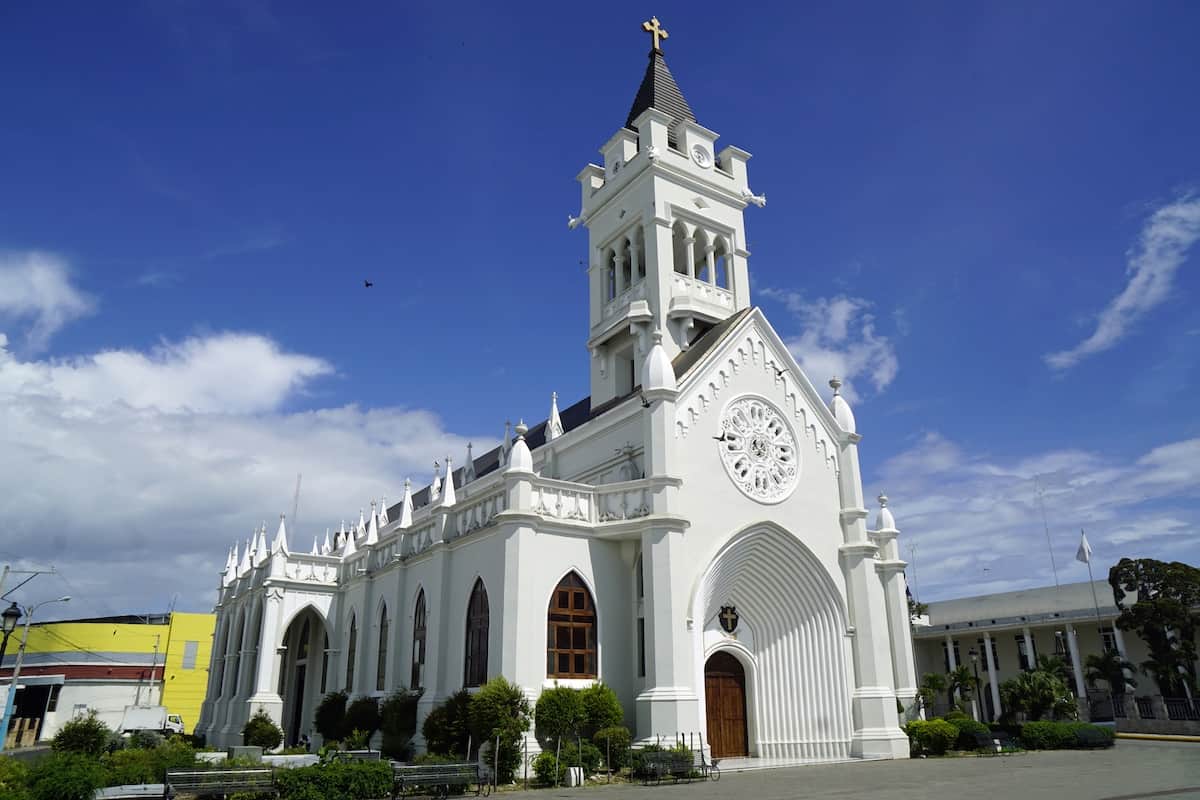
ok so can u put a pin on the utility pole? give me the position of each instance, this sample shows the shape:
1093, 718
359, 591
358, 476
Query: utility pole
11, 698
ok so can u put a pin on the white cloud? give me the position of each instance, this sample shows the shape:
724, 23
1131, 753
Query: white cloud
978, 520
134, 472
838, 337
35, 290
1164, 243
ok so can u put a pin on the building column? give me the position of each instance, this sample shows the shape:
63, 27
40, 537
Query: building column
265, 680
689, 244
989, 654
950, 652
1081, 697
711, 261
1030, 650
619, 262
634, 262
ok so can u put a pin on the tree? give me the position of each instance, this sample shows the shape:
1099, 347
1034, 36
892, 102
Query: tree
932, 684
1056, 666
1163, 615
330, 717
962, 681
500, 710
1037, 694
261, 731
1110, 668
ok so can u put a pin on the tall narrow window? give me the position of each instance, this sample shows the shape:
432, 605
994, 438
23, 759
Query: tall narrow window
351, 647
219, 658
475, 668
381, 663
571, 631
418, 649
324, 663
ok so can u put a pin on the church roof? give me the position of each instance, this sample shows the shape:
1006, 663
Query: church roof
580, 412
659, 91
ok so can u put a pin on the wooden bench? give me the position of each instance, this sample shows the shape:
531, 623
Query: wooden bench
658, 764
356, 755
436, 780
219, 782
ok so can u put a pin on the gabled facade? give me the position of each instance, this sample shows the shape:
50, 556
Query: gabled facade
694, 534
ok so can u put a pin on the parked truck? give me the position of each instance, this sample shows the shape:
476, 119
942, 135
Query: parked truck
151, 718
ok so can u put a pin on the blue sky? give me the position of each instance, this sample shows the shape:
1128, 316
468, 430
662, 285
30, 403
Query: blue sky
191, 195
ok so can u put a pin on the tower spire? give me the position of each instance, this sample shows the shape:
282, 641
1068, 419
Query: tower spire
658, 89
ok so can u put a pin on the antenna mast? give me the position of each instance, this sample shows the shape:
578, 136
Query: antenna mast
296, 501
1042, 503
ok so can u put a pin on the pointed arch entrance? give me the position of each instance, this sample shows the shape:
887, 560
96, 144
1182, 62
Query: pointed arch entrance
725, 702
302, 672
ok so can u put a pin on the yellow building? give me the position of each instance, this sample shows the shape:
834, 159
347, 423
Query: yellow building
104, 664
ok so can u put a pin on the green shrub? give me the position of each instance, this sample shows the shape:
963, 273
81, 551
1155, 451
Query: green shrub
954, 714
967, 728
357, 740
637, 760
601, 709
436, 758
544, 769
146, 740
142, 765
501, 709
1046, 735
86, 735
447, 728
354, 780
14, 779
330, 717
363, 715
613, 743
66, 775
931, 736
261, 731
559, 714
398, 721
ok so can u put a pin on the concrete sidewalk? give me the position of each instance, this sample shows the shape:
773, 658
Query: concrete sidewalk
1128, 771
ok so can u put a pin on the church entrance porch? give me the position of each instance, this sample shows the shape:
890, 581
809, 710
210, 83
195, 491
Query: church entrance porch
725, 699
303, 673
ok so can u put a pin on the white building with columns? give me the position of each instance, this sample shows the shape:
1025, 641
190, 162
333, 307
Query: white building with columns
693, 534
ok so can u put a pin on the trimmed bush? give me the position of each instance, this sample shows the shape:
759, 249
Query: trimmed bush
559, 714
398, 721
65, 775
613, 744
1045, 735
931, 736
14, 779
638, 759
363, 715
601, 709
501, 709
355, 780
85, 735
967, 728
330, 717
261, 731
585, 755
447, 729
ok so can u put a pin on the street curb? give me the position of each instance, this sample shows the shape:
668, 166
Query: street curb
1159, 737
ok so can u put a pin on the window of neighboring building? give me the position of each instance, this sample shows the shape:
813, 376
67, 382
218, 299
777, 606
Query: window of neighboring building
475, 666
52, 702
1023, 660
351, 646
418, 648
571, 631
1109, 639
381, 661
190, 649
946, 655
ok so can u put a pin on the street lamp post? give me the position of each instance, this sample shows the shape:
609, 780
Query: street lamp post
10, 700
975, 694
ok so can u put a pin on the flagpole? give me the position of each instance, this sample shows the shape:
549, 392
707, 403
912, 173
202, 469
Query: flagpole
1086, 551
1046, 525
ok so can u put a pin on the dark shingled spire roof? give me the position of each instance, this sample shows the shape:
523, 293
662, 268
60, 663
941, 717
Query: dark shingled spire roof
659, 90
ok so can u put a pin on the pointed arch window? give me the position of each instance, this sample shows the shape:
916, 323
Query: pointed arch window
475, 666
571, 630
324, 663
351, 647
418, 649
381, 662
222, 654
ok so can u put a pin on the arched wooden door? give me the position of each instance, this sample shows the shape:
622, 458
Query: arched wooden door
725, 698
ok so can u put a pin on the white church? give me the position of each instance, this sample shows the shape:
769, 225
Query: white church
693, 534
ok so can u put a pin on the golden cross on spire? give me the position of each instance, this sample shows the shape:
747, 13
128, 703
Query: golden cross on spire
657, 31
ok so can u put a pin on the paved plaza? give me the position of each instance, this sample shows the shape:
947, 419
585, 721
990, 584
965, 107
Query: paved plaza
1129, 771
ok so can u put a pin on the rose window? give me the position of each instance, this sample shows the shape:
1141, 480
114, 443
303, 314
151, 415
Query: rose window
759, 450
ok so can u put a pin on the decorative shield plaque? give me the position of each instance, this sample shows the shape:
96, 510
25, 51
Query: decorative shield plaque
729, 619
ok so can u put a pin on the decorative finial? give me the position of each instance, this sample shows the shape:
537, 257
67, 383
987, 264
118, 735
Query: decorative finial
835, 384
882, 499
657, 336
407, 483
521, 429
656, 31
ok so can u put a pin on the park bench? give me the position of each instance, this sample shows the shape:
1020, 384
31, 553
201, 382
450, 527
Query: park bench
219, 782
986, 743
436, 780
658, 764
1090, 737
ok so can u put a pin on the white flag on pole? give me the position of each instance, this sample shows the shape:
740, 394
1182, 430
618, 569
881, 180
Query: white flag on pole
1084, 553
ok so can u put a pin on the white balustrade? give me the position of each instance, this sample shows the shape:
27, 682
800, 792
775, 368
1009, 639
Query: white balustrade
621, 501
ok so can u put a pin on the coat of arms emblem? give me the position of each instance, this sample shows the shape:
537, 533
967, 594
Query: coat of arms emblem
729, 619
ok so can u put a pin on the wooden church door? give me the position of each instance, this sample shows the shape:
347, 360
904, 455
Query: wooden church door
725, 698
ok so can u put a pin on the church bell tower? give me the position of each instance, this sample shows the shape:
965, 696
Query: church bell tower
666, 236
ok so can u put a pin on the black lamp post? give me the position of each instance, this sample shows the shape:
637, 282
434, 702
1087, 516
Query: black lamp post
975, 665
10, 617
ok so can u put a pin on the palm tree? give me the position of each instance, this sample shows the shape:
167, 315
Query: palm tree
932, 685
1110, 668
1037, 694
1056, 666
962, 681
